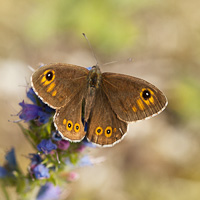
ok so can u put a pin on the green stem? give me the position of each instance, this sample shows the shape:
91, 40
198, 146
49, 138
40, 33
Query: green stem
5, 192
26, 135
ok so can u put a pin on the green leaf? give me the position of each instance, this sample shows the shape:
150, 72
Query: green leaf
21, 185
73, 158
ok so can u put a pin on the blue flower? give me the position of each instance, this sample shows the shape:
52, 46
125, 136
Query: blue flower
35, 160
32, 96
36, 168
85, 143
48, 109
49, 192
85, 128
40, 172
46, 146
89, 68
37, 101
3, 172
85, 125
10, 166
11, 160
56, 136
46, 112
43, 117
88, 144
84, 161
29, 111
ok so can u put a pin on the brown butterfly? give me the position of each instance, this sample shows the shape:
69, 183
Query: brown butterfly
106, 101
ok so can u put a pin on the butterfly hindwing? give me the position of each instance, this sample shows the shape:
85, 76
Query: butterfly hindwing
56, 84
132, 98
104, 128
68, 119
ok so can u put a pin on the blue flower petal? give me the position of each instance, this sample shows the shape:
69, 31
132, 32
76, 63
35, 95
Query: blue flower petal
46, 146
37, 101
89, 68
49, 192
35, 159
3, 172
85, 128
56, 136
29, 111
11, 159
88, 144
85, 161
32, 96
40, 172
43, 117
48, 109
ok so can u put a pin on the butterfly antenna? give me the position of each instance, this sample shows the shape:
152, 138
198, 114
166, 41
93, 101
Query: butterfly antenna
33, 70
117, 61
90, 48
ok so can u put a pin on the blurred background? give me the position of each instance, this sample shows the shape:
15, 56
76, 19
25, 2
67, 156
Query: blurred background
159, 158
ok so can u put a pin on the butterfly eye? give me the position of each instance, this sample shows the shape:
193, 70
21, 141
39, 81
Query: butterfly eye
69, 125
108, 131
146, 94
49, 76
76, 127
99, 130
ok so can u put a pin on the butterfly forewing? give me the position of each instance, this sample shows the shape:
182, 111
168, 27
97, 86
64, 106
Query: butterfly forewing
56, 84
132, 98
104, 128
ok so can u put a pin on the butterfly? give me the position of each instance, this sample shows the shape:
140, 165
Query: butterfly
106, 102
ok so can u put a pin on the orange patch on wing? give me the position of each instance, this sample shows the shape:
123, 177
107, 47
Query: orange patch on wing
134, 109
54, 93
64, 121
50, 88
140, 104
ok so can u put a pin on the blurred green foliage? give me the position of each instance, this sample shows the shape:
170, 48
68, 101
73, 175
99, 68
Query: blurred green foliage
186, 101
101, 20
39, 21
